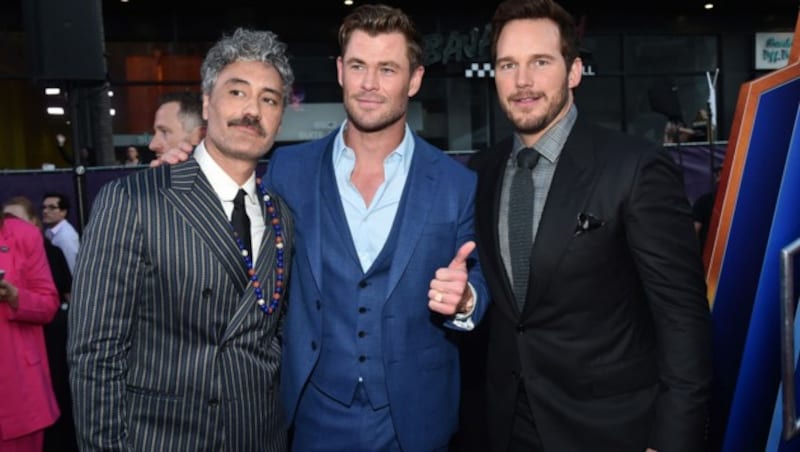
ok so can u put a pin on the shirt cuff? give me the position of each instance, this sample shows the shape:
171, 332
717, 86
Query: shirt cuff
463, 320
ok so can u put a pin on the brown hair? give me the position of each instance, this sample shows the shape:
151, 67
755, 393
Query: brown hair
538, 9
379, 19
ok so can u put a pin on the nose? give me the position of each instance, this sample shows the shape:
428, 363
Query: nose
154, 144
251, 107
370, 80
524, 77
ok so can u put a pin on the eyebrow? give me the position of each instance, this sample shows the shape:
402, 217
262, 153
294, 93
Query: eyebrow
239, 81
380, 63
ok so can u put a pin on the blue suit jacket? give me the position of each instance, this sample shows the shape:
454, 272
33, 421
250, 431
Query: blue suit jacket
420, 356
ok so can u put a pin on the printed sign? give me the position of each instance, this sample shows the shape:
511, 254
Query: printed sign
772, 50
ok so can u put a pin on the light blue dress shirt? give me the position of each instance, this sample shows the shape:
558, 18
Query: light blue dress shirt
370, 225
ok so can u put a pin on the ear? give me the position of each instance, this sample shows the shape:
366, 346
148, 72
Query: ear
416, 81
205, 107
199, 132
339, 69
575, 73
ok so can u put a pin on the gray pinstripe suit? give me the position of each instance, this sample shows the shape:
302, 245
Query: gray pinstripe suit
167, 348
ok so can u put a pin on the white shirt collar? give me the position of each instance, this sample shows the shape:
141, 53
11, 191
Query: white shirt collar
57, 227
223, 184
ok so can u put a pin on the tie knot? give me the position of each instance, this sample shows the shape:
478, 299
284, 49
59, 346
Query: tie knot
527, 158
238, 201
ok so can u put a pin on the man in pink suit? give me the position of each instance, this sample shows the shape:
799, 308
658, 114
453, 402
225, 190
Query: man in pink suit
28, 300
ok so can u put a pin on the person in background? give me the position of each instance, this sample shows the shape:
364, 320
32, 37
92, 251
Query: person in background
132, 156
59, 437
178, 122
600, 333
23, 208
55, 208
28, 300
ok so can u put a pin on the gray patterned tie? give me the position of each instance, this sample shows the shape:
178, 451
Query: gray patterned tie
520, 222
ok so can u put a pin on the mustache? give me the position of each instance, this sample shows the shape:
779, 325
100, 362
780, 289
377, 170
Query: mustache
249, 121
369, 97
523, 94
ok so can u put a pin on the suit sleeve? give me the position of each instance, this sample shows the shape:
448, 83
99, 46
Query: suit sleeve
37, 295
662, 240
108, 279
466, 232
59, 269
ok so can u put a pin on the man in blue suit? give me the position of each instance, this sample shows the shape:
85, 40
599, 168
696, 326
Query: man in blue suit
384, 270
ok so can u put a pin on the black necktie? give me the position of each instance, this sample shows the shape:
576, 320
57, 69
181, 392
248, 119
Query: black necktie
241, 222
520, 222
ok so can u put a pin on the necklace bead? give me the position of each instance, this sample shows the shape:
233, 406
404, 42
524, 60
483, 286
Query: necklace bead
267, 307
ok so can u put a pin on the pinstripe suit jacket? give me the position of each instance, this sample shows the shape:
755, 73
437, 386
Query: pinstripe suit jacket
167, 348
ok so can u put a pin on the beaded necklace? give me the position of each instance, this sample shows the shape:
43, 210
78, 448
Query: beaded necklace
275, 221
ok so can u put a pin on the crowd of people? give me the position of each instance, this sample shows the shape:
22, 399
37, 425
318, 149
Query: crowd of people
323, 305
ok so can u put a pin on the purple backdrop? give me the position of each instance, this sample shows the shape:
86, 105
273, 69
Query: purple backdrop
694, 160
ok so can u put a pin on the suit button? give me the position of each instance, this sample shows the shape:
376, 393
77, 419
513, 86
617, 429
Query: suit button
362, 358
520, 328
362, 310
314, 345
363, 284
213, 403
361, 334
207, 292
319, 305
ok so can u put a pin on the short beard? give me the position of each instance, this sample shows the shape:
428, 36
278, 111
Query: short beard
535, 125
377, 125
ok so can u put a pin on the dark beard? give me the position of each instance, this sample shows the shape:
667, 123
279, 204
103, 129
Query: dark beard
537, 125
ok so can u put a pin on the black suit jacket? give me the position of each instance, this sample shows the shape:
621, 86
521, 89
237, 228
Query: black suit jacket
613, 344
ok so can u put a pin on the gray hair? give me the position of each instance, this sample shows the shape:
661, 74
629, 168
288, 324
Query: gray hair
247, 45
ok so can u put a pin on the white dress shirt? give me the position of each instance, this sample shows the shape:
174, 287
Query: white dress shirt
226, 188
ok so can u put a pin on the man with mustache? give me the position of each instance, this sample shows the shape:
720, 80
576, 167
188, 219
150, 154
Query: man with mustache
179, 288
599, 337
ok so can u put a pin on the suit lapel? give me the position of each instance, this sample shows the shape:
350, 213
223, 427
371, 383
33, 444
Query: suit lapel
571, 186
421, 185
332, 202
491, 165
265, 270
192, 196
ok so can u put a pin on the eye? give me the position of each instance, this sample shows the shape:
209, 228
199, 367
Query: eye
236, 92
388, 70
507, 66
356, 66
270, 101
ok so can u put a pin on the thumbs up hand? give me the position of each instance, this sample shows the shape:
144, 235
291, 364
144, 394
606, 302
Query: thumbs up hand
449, 294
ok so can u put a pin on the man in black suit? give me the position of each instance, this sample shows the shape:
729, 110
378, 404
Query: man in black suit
599, 336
